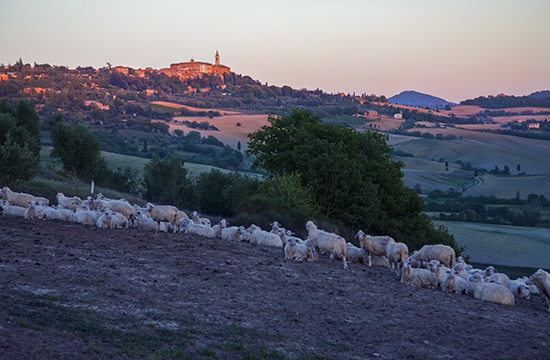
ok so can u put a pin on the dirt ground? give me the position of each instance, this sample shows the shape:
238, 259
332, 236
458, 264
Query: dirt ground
69, 291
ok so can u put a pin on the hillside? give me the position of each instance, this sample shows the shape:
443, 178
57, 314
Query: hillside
87, 293
414, 98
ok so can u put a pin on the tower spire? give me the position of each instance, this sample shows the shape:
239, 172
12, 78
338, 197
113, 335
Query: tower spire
217, 58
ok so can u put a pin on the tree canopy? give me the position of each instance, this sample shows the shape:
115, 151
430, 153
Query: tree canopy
352, 175
19, 142
77, 147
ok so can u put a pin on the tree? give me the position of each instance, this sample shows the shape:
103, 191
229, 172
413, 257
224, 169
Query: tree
518, 168
166, 181
352, 175
19, 142
77, 147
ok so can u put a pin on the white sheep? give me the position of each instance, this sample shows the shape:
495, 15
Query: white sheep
371, 245
34, 211
355, 254
418, 277
87, 217
179, 218
327, 242
444, 253
299, 252
518, 288
12, 210
118, 221
66, 202
262, 237
118, 206
454, 283
166, 227
53, 213
275, 227
145, 223
490, 292
192, 228
286, 235
396, 252
234, 233
199, 220
104, 221
219, 227
440, 271
495, 276
19, 199
164, 213
542, 280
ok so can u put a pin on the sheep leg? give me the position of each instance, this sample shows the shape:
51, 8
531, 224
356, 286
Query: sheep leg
370, 260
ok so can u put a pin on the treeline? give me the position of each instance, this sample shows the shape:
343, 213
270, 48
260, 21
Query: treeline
489, 209
502, 102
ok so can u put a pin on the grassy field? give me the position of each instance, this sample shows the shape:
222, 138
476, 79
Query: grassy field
115, 161
502, 245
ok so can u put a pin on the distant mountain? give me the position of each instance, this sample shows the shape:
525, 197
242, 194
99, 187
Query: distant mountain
414, 98
545, 94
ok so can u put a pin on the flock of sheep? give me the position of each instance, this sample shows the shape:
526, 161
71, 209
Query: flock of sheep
432, 266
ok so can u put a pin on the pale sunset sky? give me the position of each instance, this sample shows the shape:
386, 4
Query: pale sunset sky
456, 49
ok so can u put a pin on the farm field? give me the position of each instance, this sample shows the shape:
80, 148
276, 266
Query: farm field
179, 106
230, 133
135, 163
507, 187
69, 291
483, 150
502, 244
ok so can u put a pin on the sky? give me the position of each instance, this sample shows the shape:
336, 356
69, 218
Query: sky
455, 50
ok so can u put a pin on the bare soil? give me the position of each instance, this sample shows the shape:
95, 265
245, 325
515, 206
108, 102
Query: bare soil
69, 291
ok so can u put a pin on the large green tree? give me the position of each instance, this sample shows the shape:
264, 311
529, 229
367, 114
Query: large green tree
351, 174
77, 147
166, 181
19, 142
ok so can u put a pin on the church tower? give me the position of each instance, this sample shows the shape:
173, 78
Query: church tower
217, 58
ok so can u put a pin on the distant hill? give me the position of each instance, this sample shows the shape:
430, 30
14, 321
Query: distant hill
545, 94
414, 98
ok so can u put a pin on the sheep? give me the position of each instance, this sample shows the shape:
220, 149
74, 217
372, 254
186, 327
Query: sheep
490, 292
13, 210
445, 254
495, 276
396, 252
118, 221
66, 202
192, 228
165, 226
34, 211
298, 252
104, 221
454, 283
355, 254
87, 217
262, 237
379, 261
542, 281
327, 242
145, 223
233, 233
179, 218
53, 213
417, 277
163, 213
219, 227
440, 271
286, 235
518, 288
203, 221
371, 245
118, 206
275, 227
19, 199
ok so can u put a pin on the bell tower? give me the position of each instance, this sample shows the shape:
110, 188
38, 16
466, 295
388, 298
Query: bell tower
217, 58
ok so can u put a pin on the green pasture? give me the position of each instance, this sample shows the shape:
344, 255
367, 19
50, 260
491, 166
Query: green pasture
502, 245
